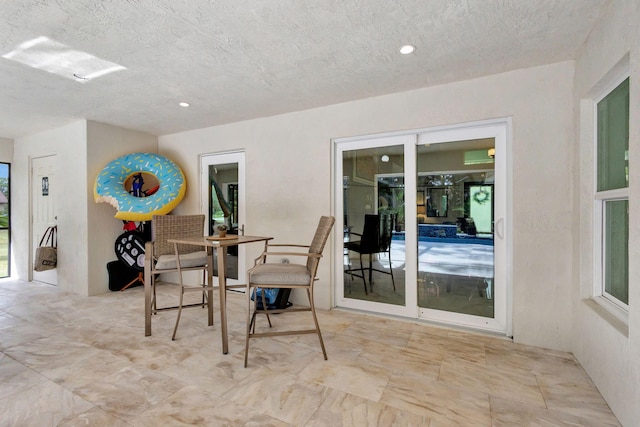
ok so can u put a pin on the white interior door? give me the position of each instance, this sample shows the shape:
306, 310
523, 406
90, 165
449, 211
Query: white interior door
43, 208
222, 184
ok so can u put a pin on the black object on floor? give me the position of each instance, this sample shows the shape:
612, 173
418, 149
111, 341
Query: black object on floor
282, 300
120, 275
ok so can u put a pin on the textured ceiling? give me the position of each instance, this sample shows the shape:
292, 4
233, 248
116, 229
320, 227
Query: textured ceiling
235, 60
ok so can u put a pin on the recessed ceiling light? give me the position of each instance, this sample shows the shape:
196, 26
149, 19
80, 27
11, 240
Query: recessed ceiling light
407, 49
49, 55
184, 104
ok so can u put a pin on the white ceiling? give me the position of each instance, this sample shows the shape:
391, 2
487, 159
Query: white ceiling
235, 60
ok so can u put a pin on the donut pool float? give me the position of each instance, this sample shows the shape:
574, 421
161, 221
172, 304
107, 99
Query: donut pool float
113, 182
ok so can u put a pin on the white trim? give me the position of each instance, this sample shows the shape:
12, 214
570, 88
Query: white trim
461, 320
598, 245
411, 227
613, 308
611, 80
478, 124
615, 194
600, 294
454, 172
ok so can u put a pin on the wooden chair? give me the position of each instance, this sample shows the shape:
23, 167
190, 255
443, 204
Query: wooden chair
375, 238
277, 275
163, 257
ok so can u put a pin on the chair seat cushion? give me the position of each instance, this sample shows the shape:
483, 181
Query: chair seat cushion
193, 259
280, 274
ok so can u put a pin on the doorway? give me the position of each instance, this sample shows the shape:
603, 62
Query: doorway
43, 206
222, 202
439, 199
373, 204
5, 218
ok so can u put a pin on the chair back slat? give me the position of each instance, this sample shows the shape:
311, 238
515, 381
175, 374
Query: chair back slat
377, 232
320, 239
387, 226
164, 227
370, 240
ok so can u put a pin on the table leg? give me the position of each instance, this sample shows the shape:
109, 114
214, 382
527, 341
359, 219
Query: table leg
221, 252
147, 291
210, 283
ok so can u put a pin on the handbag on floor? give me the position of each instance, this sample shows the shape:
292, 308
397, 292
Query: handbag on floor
47, 251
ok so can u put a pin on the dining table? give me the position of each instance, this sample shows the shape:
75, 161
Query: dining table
220, 245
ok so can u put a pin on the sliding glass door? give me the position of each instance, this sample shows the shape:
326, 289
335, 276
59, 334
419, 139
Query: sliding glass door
373, 224
455, 227
423, 225
461, 236
373, 216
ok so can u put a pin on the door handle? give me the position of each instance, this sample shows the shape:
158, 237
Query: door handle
500, 228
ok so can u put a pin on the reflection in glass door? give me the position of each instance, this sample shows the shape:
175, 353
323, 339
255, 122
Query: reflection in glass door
455, 235
223, 203
462, 271
430, 208
373, 224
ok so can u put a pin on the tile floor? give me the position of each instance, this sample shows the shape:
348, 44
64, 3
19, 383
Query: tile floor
75, 361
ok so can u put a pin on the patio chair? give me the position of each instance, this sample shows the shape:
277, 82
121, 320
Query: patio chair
375, 239
165, 257
276, 275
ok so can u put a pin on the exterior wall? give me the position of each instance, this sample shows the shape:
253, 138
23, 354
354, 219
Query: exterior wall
288, 164
86, 230
105, 143
68, 143
608, 349
6, 150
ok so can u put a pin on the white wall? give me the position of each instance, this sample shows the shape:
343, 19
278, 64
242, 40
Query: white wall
608, 350
288, 175
104, 144
86, 230
68, 143
6, 150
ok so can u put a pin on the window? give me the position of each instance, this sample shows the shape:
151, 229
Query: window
5, 226
612, 195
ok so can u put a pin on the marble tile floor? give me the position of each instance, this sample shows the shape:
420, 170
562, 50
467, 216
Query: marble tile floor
67, 360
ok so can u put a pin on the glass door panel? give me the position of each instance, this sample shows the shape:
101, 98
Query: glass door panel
374, 224
223, 204
455, 227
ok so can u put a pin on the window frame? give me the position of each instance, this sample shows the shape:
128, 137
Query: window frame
8, 227
600, 198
